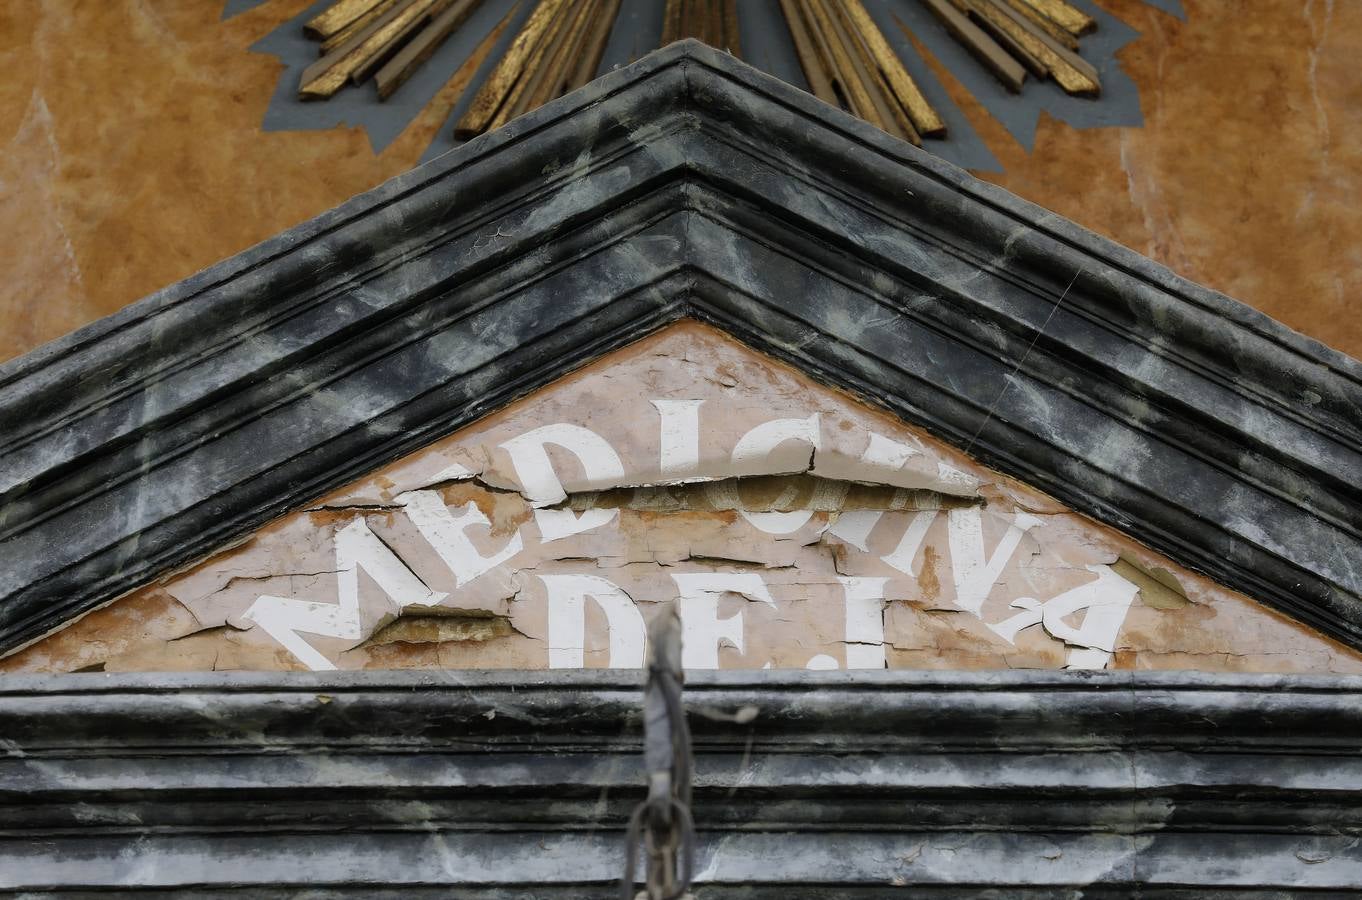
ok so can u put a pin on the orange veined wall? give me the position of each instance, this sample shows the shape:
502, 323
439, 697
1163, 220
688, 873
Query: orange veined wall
133, 154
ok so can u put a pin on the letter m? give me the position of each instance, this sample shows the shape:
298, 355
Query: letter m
357, 548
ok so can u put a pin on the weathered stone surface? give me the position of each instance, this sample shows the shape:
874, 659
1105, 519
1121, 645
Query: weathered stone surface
518, 784
800, 528
686, 185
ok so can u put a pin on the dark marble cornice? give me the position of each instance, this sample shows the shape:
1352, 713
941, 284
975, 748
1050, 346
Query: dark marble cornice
685, 185
518, 784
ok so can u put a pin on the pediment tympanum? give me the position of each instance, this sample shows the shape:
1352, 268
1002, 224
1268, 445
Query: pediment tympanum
796, 526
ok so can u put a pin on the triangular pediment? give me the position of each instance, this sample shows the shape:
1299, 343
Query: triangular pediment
685, 186
794, 526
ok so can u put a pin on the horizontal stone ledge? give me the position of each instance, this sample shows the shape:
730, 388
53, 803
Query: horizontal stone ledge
500, 712
323, 812
1053, 861
385, 891
576, 771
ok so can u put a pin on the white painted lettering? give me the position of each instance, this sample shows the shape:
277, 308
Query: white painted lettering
903, 556
855, 526
864, 622
679, 437
974, 574
448, 534
356, 548
758, 444
541, 484
1106, 599
701, 628
567, 596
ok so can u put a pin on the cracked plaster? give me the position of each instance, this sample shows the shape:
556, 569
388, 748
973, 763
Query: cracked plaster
683, 458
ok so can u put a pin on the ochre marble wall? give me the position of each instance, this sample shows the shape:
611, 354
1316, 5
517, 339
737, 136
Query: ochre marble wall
133, 156
1246, 173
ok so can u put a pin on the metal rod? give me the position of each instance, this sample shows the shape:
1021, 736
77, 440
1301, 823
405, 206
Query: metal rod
549, 82
663, 820
594, 48
348, 33
839, 64
809, 58
868, 72
1003, 30
1073, 73
1044, 22
985, 49
398, 40
397, 70
671, 21
329, 74
732, 39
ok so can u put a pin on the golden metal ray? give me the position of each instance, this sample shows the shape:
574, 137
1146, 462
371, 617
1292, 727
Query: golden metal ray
397, 39
337, 16
732, 40
713, 21
548, 81
1043, 22
1010, 72
363, 23
1006, 33
672, 19
349, 31
839, 65
594, 49
810, 60
1070, 18
516, 101
492, 95
923, 116
402, 66
846, 58
868, 72
329, 74
1073, 73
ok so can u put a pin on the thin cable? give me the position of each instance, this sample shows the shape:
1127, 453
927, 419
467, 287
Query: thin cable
1007, 381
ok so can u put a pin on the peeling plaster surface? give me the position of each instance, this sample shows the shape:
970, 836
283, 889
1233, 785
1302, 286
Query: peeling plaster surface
794, 526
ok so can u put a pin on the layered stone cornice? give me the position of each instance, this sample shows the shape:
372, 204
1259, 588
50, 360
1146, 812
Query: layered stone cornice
501, 785
687, 185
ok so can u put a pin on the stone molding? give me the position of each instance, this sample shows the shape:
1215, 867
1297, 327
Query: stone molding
514, 784
687, 184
